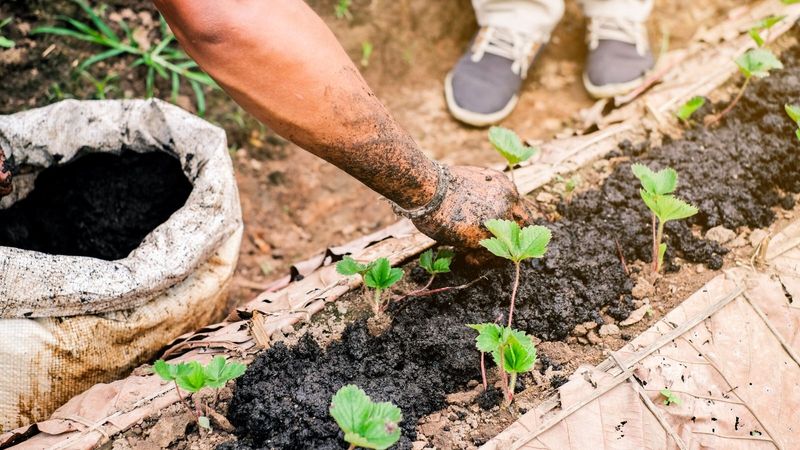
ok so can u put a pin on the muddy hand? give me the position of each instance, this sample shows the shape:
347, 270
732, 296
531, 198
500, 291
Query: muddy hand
474, 195
5, 176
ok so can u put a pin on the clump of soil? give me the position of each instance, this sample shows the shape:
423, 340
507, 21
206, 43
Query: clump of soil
736, 174
100, 205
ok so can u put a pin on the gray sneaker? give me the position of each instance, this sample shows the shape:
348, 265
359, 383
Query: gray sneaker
483, 87
619, 57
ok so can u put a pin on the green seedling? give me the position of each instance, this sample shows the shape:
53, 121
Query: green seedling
193, 377
510, 147
753, 63
515, 244
365, 423
656, 192
102, 88
512, 350
763, 25
670, 398
690, 107
378, 275
162, 59
342, 9
366, 53
569, 185
793, 111
4, 41
435, 263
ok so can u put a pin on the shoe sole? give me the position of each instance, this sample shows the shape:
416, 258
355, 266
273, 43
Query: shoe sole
611, 90
471, 117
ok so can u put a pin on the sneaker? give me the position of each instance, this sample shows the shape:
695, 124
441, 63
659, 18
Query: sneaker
619, 57
483, 87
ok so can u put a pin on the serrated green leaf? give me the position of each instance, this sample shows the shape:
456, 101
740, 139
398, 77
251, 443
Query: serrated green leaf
442, 265
668, 207
349, 266
793, 111
690, 107
519, 353
365, 423
166, 371
192, 377
509, 145
219, 371
490, 336
757, 63
763, 24
656, 183
497, 247
426, 261
533, 242
516, 244
381, 275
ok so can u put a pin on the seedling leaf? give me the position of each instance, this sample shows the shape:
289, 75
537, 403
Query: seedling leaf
203, 422
490, 336
219, 371
516, 244
690, 107
349, 266
434, 264
365, 423
669, 397
193, 378
668, 207
793, 111
757, 63
519, 353
509, 145
656, 183
168, 372
381, 275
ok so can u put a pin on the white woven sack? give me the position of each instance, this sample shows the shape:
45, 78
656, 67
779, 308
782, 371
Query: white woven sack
68, 322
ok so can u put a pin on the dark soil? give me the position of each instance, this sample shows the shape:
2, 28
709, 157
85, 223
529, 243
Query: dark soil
100, 205
736, 174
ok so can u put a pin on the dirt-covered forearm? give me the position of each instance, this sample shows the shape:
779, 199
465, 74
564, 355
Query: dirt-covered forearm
281, 63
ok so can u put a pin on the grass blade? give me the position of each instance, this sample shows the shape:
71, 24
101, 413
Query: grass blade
98, 22
99, 57
200, 98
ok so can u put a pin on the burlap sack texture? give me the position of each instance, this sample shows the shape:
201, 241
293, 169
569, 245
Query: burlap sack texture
66, 322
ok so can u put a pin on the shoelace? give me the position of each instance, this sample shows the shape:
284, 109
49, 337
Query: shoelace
507, 44
616, 29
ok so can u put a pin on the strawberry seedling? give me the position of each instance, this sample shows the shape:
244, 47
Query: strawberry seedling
193, 376
435, 263
763, 25
512, 350
510, 147
365, 423
515, 244
793, 111
690, 107
378, 275
656, 192
670, 398
753, 63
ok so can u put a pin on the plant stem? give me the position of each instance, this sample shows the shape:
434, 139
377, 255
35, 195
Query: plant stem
659, 236
178, 390
513, 294
511, 169
483, 371
352, 447
512, 385
655, 246
716, 118
376, 302
503, 374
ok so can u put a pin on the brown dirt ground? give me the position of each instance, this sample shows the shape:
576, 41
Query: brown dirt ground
293, 203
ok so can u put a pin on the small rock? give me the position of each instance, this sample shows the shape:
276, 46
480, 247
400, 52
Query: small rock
757, 236
418, 445
593, 338
462, 398
636, 316
545, 197
572, 340
287, 330
609, 330
472, 383
720, 234
582, 340
590, 325
642, 289
739, 242
580, 330
700, 268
